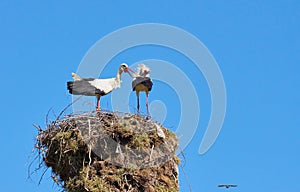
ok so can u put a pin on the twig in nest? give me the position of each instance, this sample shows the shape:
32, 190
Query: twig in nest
90, 151
150, 159
38, 127
67, 108
48, 116
40, 150
29, 168
182, 153
186, 178
43, 175
90, 147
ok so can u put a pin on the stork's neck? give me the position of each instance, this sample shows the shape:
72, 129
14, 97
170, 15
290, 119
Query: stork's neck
118, 79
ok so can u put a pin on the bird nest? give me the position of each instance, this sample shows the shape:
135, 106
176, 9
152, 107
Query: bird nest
107, 151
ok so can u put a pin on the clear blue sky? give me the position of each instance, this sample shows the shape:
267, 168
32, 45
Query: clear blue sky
256, 44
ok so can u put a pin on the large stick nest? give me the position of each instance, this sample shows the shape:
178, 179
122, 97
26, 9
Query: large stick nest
107, 151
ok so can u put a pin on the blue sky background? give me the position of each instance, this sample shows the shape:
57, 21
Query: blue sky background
256, 44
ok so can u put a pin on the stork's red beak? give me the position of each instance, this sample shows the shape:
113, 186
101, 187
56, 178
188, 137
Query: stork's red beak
128, 70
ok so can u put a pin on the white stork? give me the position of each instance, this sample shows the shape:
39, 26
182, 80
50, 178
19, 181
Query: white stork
96, 87
227, 185
142, 82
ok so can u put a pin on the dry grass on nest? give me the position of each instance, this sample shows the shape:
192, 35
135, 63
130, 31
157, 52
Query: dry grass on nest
108, 151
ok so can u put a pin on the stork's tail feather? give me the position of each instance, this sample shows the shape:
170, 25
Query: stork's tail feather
76, 77
70, 86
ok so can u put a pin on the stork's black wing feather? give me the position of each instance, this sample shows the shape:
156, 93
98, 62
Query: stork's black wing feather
146, 81
83, 87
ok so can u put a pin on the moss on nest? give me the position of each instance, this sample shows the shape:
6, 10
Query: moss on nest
110, 152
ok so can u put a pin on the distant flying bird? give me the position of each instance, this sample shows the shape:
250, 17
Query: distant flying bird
96, 87
142, 82
227, 185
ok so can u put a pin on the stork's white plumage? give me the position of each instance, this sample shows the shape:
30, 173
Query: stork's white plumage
96, 87
143, 70
142, 82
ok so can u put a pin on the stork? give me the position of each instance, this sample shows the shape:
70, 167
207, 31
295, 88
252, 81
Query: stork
142, 82
96, 87
227, 185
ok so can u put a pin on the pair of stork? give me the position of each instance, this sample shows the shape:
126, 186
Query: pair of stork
100, 87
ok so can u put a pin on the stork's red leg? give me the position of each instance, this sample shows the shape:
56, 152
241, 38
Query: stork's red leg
98, 103
147, 103
138, 101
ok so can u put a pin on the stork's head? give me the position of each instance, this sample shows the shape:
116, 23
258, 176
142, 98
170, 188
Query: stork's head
124, 68
143, 70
